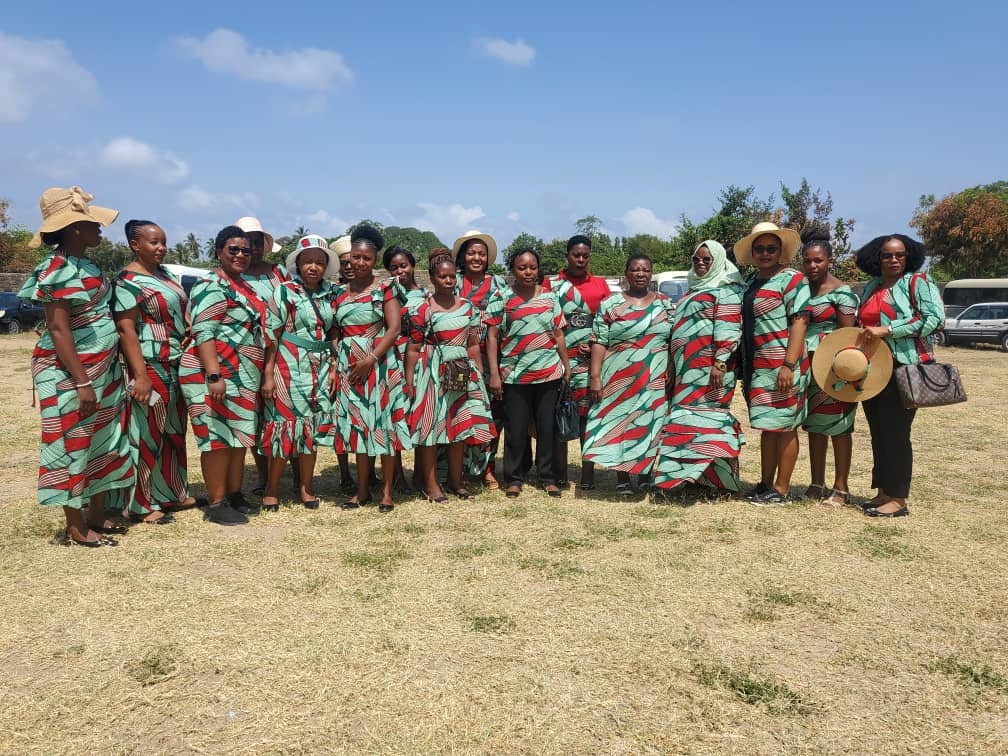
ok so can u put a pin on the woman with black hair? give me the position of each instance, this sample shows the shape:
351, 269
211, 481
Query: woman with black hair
902, 307
832, 305
533, 362
150, 312
474, 252
84, 450
629, 377
370, 401
221, 374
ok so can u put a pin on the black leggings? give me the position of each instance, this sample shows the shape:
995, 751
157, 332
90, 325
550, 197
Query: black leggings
524, 402
892, 452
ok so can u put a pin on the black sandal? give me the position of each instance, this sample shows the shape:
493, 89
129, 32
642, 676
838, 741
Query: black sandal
165, 519
107, 529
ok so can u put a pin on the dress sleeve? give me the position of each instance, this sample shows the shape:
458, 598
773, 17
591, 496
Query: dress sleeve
276, 311
727, 321
207, 307
125, 295
55, 279
796, 296
493, 315
928, 313
846, 301
416, 324
600, 326
559, 321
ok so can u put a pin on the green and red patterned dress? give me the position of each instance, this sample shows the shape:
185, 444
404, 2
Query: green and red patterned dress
229, 313
79, 457
299, 418
827, 415
768, 307
624, 427
577, 333
158, 431
370, 416
446, 417
701, 440
411, 299
265, 284
528, 351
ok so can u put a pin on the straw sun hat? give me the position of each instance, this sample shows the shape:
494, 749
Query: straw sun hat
341, 246
848, 373
249, 225
314, 241
64, 207
488, 240
789, 239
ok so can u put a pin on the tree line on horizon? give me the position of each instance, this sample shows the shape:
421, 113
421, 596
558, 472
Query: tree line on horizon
966, 234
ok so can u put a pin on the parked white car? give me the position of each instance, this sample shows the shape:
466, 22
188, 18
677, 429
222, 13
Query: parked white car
986, 323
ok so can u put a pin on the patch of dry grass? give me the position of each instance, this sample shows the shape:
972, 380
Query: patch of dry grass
585, 624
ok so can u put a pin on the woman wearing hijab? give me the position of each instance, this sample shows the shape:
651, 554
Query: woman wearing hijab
775, 365
298, 411
85, 450
701, 440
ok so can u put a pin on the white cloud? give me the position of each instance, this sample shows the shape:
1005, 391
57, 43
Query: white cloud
641, 220
226, 51
513, 217
196, 199
33, 71
326, 223
133, 155
447, 221
58, 163
515, 53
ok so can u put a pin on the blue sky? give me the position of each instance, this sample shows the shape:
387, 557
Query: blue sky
505, 117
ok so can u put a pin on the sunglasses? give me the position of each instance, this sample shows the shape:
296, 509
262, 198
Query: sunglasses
704, 260
759, 249
893, 255
235, 251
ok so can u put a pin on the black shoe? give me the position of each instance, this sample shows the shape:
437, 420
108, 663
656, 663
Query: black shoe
901, 512
386, 508
772, 499
354, 504
761, 490
563, 485
240, 504
313, 504
223, 513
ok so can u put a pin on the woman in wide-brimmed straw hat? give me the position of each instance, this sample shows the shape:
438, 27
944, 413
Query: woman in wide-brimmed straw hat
474, 251
298, 408
774, 361
85, 450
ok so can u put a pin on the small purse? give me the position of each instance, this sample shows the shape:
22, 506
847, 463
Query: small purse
930, 384
566, 422
454, 373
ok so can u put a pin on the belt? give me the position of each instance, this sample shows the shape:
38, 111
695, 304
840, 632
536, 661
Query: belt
312, 345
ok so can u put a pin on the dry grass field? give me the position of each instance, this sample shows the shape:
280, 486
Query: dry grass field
587, 624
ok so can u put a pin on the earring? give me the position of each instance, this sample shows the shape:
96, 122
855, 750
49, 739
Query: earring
76, 232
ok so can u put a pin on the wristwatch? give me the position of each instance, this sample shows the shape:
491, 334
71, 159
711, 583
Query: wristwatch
720, 365
212, 377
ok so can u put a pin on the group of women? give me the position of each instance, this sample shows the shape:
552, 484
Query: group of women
321, 353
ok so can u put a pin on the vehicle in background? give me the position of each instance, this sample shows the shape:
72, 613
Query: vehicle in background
960, 294
982, 323
187, 275
673, 284
615, 284
17, 315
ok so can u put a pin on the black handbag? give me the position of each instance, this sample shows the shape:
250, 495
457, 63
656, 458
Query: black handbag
566, 424
454, 373
930, 384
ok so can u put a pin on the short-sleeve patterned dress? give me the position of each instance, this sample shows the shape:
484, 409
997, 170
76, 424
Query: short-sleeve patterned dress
447, 417
701, 440
228, 312
827, 415
624, 427
370, 416
488, 299
299, 418
79, 456
528, 349
768, 307
158, 431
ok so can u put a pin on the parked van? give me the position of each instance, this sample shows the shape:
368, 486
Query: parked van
672, 283
958, 295
187, 275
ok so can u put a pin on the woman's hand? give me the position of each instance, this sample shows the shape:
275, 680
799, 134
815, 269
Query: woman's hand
268, 389
785, 379
216, 390
333, 383
87, 401
717, 377
142, 388
409, 389
584, 348
595, 390
363, 368
878, 332
496, 387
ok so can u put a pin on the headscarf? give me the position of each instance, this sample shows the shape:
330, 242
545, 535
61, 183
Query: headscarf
720, 273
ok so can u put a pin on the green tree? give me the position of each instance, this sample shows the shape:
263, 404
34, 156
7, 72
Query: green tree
524, 240
186, 252
111, 257
418, 242
807, 208
966, 233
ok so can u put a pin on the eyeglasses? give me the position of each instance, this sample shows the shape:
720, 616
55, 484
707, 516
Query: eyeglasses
759, 249
239, 250
703, 260
893, 255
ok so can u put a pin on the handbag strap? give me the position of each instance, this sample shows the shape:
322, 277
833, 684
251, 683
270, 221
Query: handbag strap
318, 314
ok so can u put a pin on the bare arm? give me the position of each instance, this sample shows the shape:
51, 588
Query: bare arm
130, 343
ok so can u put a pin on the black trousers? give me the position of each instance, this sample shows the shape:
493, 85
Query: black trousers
524, 402
892, 452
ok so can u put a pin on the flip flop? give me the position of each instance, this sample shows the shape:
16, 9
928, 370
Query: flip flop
110, 529
197, 501
140, 519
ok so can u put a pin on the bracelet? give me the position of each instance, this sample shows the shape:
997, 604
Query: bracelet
790, 365
890, 330
82, 385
